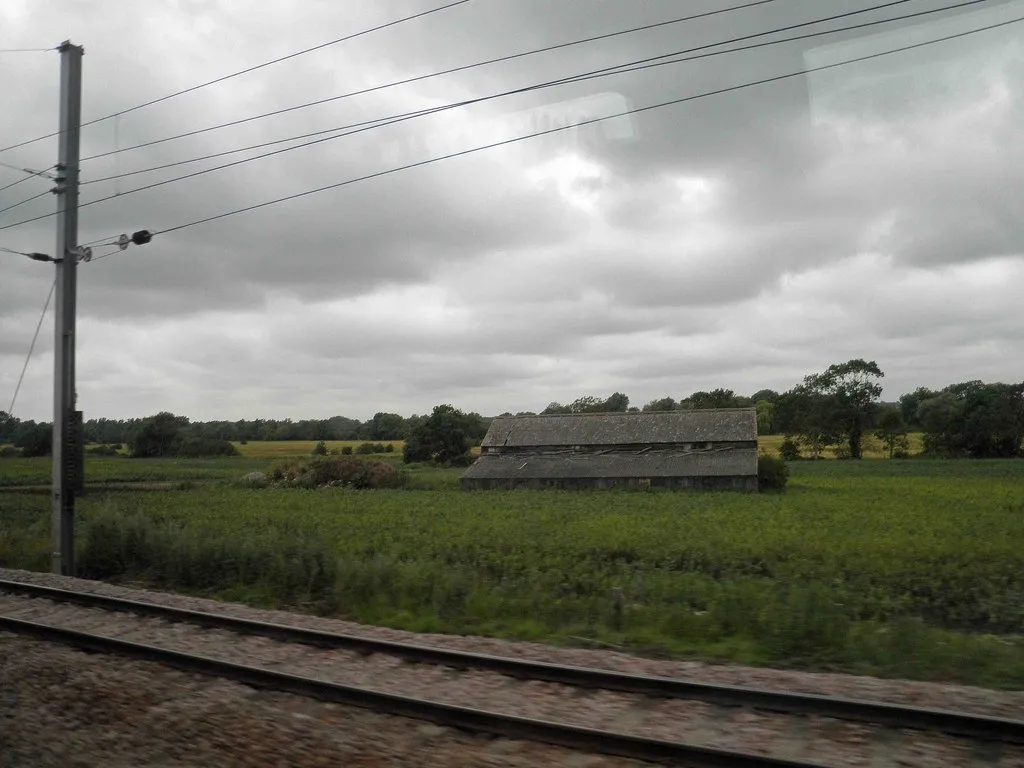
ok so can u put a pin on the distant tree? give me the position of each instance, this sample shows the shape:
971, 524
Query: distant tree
892, 431
765, 417
716, 398
764, 394
387, 426
158, 435
555, 408
664, 404
974, 420
7, 426
587, 404
616, 403
34, 439
851, 390
443, 438
320, 449
911, 402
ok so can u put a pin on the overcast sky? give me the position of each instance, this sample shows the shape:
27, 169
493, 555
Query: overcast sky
741, 240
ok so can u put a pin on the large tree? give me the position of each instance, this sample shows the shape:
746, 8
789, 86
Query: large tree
807, 416
441, 438
852, 390
158, 435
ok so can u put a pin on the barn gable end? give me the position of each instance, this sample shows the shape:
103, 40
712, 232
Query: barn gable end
700, 450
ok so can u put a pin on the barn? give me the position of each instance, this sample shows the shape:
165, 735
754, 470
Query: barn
713, 449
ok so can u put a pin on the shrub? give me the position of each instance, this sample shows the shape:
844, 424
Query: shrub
197, 447
366, 449
772, 473
320, 449
789, 450
842, 452
337, 472
346, 450
389, 448
9, 452
102, 450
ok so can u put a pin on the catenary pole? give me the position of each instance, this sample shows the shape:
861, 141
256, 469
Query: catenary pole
65, 441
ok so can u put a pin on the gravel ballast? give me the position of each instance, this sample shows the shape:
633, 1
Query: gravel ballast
813, 739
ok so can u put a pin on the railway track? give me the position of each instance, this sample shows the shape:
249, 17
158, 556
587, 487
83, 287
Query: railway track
139, 630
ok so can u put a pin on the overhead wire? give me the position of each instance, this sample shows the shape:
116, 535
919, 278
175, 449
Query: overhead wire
246, 71
31, 349
26, 200
29, 171
618, 69
624, 113
16, 183
390, 120
439, 73
395, 83
406, 81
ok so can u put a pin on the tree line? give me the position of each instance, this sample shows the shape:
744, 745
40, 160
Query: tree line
834, 409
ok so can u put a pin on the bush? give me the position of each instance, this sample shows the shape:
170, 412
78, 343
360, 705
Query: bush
320, 449
346, 450
842, 452
337, 472
366, 449
389, 448
102, 450
197, 447
772, 473
9, 452
789, 450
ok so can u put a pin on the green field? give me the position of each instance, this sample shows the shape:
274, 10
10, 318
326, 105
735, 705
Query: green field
912, 568
278, 449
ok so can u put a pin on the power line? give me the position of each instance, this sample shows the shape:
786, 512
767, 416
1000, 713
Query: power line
577, 78
26, 50
439, 73
17, 388
247, 70
390, 85
29, 171
27, 200
385, 121
15, 183
638, 110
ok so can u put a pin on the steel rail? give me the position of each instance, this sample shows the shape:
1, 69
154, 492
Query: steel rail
970, 725
467, 718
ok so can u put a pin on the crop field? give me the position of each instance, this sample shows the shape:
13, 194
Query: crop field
280, 449
911, 568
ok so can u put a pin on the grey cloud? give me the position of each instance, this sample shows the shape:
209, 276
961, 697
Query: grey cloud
642, 293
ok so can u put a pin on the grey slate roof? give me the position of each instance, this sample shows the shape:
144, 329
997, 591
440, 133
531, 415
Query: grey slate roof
724, 463
724, 424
